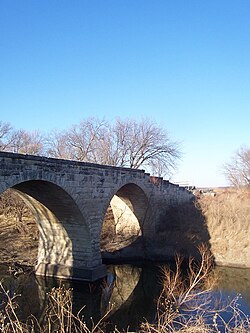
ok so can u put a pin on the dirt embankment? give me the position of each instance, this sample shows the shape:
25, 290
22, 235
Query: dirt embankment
227, 216
18, 231
18, 245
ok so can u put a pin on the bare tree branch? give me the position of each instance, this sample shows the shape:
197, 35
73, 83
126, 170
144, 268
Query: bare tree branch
5, 132
237, 171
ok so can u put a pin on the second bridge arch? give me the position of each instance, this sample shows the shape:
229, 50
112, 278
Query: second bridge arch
126, 223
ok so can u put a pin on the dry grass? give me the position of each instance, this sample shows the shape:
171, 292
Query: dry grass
18, 231
228, 221
59, 316
184, 306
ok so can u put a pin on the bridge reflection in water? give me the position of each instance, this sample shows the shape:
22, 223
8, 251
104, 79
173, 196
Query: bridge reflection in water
130, 291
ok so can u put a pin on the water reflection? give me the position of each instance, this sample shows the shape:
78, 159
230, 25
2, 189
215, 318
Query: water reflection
118, 286
234, 280
141, 303
129, 291
25, 288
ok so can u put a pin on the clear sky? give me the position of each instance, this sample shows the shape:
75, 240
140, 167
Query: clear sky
182, 63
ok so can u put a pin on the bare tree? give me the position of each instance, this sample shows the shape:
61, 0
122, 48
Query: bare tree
5, 136
112, 146
126, 143
77, 143
150, 144
237, 171
12, 207
83, 139
58, 146
20, 141
141, 144
24, 142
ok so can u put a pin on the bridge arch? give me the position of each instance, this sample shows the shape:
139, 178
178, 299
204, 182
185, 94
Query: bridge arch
125, 219
64, 240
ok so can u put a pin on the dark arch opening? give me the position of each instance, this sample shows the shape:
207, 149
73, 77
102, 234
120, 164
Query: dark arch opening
126, 219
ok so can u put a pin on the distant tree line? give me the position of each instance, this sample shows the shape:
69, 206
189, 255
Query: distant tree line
125, 143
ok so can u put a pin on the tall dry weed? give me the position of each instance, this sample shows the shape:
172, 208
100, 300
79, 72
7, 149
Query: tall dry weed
186, 303
227, 217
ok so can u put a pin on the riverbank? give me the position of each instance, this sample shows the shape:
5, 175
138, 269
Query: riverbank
227, 217
18, 241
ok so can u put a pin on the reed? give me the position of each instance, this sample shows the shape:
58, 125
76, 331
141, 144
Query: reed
185, 305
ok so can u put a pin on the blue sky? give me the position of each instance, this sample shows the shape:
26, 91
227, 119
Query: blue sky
182, 63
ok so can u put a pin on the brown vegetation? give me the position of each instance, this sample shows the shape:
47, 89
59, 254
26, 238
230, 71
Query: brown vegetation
19, 232
227, 216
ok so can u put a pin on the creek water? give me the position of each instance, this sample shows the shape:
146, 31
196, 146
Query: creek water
132, 290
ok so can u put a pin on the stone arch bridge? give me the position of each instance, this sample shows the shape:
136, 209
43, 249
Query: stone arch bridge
71, 200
